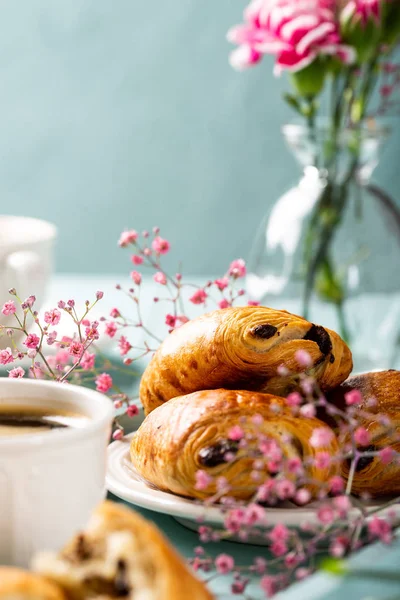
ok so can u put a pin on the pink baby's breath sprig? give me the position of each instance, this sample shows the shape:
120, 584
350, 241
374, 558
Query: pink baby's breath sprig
175, 293
65, 358
76, 357
389, 90
342, 522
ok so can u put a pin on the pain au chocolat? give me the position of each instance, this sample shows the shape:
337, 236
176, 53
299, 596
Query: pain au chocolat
242, 348
372, 475
191, 433
120, 555
16, 584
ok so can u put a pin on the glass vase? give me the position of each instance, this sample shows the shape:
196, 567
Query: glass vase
329, 247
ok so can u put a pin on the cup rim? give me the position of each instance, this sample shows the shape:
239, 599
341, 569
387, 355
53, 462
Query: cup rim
49, 233
69, 434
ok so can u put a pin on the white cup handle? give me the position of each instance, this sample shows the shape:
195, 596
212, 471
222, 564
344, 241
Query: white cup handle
24, 266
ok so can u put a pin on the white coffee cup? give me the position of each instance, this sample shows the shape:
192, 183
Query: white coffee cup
50, 482
26, 257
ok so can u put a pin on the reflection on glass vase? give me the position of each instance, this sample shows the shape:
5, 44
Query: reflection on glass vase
329, 249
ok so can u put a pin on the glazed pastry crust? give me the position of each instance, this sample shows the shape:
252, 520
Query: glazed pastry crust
162, 572
21, 585
242, 348
375, 477
167, 448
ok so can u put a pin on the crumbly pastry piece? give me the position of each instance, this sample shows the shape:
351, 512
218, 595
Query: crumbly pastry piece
16, 584
120, 555
242, 348
191, 433
372, 476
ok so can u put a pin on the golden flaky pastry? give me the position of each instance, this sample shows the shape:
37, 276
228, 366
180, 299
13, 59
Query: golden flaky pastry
16, 584
120, 555
373, 476
191, 433
242, 348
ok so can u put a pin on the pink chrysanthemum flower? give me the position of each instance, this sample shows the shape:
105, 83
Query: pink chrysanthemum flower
295, 32
363, 10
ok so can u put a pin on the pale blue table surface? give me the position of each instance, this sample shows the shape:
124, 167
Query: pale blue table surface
318, 587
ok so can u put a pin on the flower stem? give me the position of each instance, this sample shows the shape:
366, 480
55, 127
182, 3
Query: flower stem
344, 332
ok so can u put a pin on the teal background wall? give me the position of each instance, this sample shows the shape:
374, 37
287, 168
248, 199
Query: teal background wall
120, 113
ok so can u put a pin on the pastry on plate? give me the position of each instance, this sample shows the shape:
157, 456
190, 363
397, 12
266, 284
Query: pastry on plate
193, 433
242, 348
120, 555
373, 476
16, 584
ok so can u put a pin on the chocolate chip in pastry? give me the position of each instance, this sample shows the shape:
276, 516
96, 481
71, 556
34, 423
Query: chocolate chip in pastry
372, 476
16, 584
192, 433
120, 555
242, 348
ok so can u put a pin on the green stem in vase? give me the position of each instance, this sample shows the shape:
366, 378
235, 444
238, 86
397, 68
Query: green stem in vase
311, 237
344, 331
350, 95
323, 225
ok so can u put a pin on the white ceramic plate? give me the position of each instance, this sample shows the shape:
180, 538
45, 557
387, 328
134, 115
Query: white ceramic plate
124, 481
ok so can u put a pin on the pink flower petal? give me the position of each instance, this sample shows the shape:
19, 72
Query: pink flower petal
243, 57
252, 11
271, 46
244, 34
291, 61
346, 54
313, 36
296, 28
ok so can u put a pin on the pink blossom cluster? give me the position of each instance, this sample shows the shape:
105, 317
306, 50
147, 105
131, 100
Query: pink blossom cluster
72, 353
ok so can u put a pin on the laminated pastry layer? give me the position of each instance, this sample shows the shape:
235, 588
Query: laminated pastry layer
192, 433
242, 348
